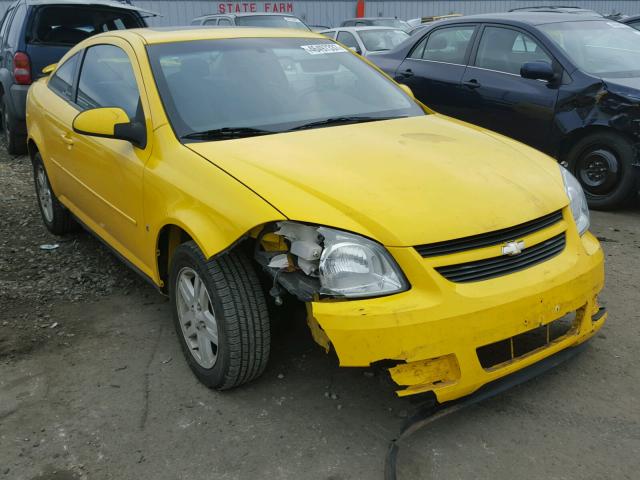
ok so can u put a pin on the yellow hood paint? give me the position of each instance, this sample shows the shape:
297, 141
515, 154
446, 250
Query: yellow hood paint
403, 182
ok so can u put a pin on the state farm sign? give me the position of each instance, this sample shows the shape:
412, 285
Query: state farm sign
255, 7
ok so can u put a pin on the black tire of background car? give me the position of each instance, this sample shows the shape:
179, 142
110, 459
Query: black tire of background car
63, 221
244, 336
16, 144
626, 187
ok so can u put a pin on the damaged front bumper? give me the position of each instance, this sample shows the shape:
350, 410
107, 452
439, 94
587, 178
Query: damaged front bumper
437, 334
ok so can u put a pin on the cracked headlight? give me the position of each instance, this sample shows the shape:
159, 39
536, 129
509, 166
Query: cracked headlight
354, 266
578, 201
345, 264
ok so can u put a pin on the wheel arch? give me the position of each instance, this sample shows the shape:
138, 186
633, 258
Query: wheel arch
573, 137
210, 242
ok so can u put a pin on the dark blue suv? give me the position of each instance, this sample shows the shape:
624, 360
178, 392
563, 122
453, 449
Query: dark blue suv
566, 84
36, 33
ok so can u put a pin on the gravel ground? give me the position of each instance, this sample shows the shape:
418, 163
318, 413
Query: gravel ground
32, 277
93, 384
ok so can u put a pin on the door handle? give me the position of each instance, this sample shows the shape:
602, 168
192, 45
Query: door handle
407, 73
66, 139
473, 83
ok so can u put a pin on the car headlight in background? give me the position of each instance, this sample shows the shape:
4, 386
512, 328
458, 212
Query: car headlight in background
346, 264
577, 199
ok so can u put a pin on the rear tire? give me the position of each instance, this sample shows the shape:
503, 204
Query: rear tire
16, 143
55, 216
603, 164
220, 315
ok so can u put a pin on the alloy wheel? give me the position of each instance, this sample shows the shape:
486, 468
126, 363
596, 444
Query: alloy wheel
44, 194
197, 317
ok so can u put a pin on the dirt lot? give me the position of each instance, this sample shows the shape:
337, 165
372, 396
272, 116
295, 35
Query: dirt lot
93, 384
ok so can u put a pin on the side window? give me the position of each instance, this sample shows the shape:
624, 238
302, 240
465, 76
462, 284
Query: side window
61, 81
107, 80
419, 49
449, 45
347, 39
224, 22
13, 38
505, 50
5, 24
635, 25
211, 21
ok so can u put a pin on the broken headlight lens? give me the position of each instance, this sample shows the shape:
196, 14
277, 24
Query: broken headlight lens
354, 266
577, 199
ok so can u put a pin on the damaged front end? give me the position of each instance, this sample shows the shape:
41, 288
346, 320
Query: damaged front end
314, 262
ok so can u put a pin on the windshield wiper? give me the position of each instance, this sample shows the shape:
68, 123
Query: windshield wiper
341, 121
226, 133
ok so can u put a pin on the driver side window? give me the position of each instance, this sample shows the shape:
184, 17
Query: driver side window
506, 50
107, 80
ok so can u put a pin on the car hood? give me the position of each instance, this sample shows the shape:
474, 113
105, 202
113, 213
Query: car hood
403, 182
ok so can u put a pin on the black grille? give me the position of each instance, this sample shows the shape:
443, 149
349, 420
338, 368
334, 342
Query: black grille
487, 239
503, 265
507, 350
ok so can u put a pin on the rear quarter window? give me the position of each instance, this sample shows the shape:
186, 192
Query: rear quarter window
68, 25
13, 38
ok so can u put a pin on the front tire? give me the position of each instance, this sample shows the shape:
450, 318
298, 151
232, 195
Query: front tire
55, 216
220, 315
603, 164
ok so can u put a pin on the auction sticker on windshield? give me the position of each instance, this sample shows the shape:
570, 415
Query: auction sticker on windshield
323, 48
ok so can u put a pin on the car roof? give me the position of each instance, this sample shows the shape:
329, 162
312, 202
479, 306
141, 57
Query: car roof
372, 18
102, 3
185, 34
364, 28
523, 18
261, 14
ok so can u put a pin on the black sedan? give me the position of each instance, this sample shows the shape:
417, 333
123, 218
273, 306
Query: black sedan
566, 84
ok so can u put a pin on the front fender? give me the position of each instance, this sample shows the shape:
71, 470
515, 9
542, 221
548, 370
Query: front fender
186, 190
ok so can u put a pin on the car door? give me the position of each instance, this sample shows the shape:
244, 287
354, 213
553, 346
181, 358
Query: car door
108, 173
58, 111
498, 98
435, 67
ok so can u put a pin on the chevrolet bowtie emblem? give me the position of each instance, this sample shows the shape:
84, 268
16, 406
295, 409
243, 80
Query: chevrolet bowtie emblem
513, 248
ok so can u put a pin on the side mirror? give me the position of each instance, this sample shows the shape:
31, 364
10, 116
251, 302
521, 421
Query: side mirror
537, 71
110, 123
49, 68
407, 90
356, 49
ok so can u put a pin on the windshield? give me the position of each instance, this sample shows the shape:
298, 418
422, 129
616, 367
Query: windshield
274, 84
601, 48
379, 40
273, 21
391, 22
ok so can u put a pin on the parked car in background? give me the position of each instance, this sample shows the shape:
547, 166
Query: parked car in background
377, 22
269, 20
367, 40
633, 21
557, 9
418, 243
566, 84
416, 22
36, 33
318, 28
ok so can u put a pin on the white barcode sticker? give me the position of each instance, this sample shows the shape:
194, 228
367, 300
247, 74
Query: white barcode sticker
323, 48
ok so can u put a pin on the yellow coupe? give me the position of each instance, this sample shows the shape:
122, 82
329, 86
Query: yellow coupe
237, 168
